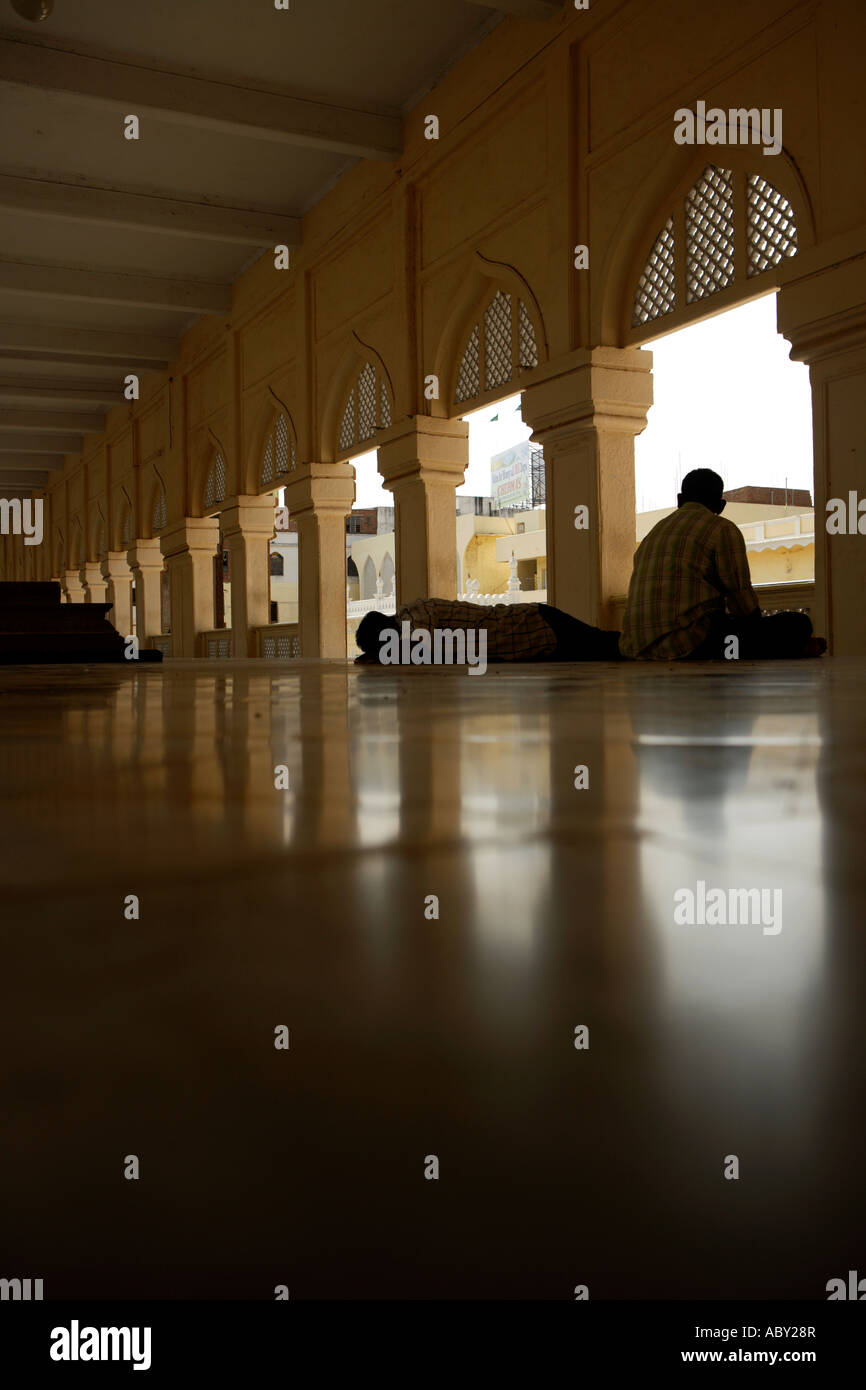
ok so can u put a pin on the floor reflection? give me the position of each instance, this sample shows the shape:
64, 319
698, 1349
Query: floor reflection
288, 830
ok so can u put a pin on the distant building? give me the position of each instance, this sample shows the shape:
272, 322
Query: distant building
771, 496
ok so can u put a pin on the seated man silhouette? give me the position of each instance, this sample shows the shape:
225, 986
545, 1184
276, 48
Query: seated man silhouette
690, 567
515, 632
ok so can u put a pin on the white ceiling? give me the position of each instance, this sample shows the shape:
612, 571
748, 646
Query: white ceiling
248, 115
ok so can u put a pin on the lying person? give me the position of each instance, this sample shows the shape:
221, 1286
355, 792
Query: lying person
514, 632
690, 566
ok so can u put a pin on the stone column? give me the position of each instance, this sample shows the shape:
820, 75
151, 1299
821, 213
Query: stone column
189, 547
145, 561
248, 526
319, 497
118, 590
822, 312
73, 586
585, 411
93, 582
423, 461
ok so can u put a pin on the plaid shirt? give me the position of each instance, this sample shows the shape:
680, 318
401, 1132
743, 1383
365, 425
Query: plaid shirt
684, 570
514, 632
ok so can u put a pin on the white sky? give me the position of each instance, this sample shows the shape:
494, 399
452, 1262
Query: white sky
727, 396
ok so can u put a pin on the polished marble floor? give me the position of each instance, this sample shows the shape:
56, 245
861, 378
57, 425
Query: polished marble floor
413, 1035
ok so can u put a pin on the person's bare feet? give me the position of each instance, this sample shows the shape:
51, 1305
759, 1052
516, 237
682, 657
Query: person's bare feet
814, 646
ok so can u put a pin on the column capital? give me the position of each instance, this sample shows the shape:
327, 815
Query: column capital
194, 533
248, 516
822, 312
114, 565
320, 488
424, 446
144, 555
592, 388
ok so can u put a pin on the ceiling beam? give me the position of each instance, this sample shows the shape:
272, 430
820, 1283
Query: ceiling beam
48, 420
22, 391
21, 484
112, 287
72, 348
140, 212
196, 101
527, 9
30, 463
14, 443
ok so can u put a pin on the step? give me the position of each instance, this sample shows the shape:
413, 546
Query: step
65, 617
30, 592
26, 648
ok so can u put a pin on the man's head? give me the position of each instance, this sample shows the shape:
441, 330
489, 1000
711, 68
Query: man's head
704, 486
370, 629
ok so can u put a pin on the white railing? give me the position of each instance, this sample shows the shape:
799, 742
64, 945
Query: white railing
798, 597
357, 607
520, 596
387, 603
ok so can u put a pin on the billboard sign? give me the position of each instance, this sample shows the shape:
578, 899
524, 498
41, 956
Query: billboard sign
511, 476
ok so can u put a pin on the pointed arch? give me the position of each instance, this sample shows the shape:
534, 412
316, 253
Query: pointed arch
96, 540
275, 452
158, 508
368, 579
388, 573
212, 485
125, 524
359, 404
494, 337
719, 234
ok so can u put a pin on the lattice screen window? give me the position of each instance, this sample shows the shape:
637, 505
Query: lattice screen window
279, 457
469, 375
127, 528
709, 234
712, 259
159, 510
284, 447
772, 228
528, 355
215, 486
368, 409
656, 293
504, 341
347, 427
497, 341
268, 462
367, 403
